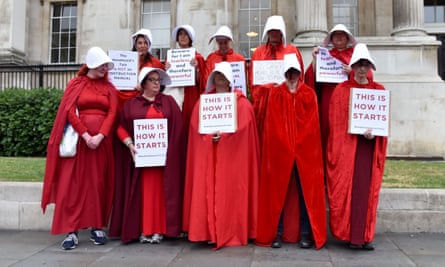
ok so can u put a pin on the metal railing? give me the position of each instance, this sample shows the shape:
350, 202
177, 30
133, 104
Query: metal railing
35, 76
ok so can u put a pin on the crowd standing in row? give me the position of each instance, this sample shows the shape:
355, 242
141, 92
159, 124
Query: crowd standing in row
265, 182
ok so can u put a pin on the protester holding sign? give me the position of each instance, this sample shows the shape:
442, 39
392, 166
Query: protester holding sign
291, 202
274, 49
224, 38
220, 196
152, 206
142, 41
355, 163
82, 186
186, 96
342, 42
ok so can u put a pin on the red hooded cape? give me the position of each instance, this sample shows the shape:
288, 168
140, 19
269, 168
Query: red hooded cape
220, 198
291, 136
126, 221
341, 152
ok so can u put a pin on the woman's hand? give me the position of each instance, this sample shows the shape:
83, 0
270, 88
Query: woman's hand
216, 136
95, 141
368, 134
167, 65
346, 69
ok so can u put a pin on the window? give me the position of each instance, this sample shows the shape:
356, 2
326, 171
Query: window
252, 16
156, 17
434, 11
345, 12
63, 33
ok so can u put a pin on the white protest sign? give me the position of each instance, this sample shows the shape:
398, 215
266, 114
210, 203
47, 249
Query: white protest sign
151, 142
124, 75
217, 112
267, 71
181, 72
369, 109
239, 76
329, 69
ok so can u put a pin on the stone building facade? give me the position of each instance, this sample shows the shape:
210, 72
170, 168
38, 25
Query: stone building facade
402, 35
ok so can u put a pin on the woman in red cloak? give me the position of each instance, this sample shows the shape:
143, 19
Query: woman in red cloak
220, 196
291, 202
82, 186
355, 163
152, 207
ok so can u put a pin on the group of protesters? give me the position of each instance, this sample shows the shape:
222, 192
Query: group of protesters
266, 182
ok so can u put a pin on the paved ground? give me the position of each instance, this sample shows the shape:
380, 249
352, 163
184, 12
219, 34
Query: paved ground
36, 248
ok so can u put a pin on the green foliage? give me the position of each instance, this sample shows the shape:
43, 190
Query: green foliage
26, 119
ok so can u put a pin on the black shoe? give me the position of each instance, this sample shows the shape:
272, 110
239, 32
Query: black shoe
306, 242
366, 246
277, 242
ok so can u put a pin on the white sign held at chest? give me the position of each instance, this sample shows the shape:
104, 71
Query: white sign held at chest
151, 142
217, 113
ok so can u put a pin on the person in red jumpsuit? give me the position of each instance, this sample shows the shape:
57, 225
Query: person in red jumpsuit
82, 186
152, 207
221, 189
291, 201
355, 163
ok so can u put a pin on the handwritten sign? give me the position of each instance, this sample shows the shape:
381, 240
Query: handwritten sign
151, 142
239, 76
124, 75
181, 72
369, 109
267, 71
329, 69
217, 112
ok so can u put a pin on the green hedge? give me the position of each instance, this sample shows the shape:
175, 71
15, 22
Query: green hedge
26, 119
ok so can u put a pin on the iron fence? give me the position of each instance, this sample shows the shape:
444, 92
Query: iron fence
34, 76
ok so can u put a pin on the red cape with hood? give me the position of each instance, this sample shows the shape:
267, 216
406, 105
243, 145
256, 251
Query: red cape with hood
65, 175
126, 222
341, 152
291, 136
221, 189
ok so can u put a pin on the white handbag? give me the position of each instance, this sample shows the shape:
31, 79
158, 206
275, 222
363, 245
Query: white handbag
68, 144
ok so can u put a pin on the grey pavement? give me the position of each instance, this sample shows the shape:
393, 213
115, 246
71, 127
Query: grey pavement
39, 248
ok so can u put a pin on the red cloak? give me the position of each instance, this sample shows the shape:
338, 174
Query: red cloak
126, 222
220, 196
82, 203
291, 136
341, 152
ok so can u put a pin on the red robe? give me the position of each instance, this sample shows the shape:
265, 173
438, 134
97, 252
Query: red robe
217, 57
341, 153
126, 222
291, 136
220, 196
82, 186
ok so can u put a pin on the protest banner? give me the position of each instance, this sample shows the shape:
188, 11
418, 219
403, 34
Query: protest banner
328, 68
369, 109
267, 71
124, 75
217, 113
239, 76
181, 72
151, 142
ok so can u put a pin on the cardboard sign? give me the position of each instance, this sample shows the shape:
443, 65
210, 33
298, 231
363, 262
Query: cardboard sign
329, 69
151, 142
239, 76
369, 109
124, 75
267, 71
181, 72
217, 112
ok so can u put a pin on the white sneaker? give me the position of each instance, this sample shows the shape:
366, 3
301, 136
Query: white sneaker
70, 242
156, 238
144, 239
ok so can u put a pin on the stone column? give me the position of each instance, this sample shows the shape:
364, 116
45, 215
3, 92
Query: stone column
311, 18
408, 18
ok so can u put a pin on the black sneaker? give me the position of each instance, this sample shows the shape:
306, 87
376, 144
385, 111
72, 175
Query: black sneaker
70, 242
98, 237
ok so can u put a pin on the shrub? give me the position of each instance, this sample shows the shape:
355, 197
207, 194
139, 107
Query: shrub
26, 119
